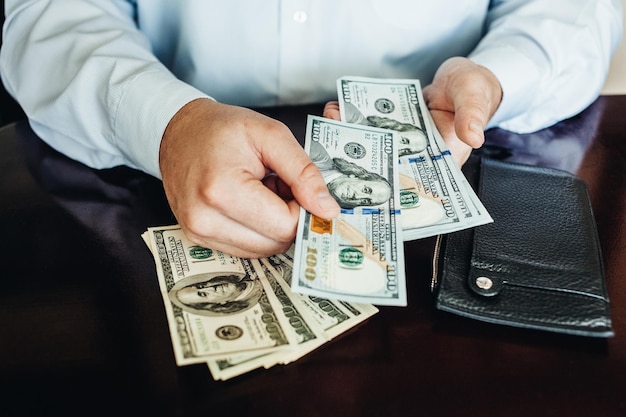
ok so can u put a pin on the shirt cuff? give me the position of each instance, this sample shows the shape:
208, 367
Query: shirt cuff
518, 76
145, 108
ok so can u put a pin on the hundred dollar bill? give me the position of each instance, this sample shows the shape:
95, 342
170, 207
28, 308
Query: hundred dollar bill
216, 304
314, 321
435, 196
309, 334
470, 207
334, 316
358, 256
306, 331
237, 364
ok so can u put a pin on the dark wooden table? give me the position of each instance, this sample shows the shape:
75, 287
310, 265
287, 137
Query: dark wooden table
83, 330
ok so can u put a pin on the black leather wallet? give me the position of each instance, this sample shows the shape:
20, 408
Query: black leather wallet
538, 265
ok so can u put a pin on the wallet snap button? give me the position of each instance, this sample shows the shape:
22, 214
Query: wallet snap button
484, 283
486, 286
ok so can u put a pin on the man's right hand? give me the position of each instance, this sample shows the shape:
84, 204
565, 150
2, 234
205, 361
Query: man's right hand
235, 179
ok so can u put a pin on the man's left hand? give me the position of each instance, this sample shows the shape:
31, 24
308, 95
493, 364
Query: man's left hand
462, 98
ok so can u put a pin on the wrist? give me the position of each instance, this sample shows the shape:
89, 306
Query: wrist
181, 124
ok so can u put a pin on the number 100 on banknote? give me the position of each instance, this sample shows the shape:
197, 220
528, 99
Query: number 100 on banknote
358, 256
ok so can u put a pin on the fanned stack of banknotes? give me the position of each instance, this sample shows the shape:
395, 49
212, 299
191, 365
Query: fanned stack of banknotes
389, 169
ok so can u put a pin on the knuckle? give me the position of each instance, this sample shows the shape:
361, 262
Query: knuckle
199, 230
284, 235
273, 127
215, 195
309, 172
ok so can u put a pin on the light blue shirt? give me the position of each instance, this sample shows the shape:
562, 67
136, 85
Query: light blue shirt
100, 79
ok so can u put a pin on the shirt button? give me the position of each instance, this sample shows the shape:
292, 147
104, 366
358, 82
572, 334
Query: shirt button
300, 16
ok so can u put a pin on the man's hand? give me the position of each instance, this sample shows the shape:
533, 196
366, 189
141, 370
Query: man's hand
331, 110
462, 98
235, 179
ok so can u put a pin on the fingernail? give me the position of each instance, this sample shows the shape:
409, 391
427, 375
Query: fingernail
327, 202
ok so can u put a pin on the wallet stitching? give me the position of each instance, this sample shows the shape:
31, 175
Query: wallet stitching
557, 290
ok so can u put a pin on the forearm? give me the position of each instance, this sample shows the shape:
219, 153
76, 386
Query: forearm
551, 58
88, 81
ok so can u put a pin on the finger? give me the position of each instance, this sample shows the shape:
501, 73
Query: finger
223, 234
459, 149
470, 120
331, 110
249, 216
445, 122
475, 101
427, 93
278, 186
257, 208
295, 168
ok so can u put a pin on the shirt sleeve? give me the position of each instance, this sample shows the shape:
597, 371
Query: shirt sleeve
88, 81
551, 57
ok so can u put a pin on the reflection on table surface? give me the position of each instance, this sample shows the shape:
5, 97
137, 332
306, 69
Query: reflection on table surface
83, 328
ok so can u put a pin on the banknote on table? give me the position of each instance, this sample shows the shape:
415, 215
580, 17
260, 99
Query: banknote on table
435, 195
335, 316
358, 256
314, 320
216, 304
307, 332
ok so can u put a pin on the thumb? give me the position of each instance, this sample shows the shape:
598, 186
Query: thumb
470, 119
475, 103
311, 192
294, 167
